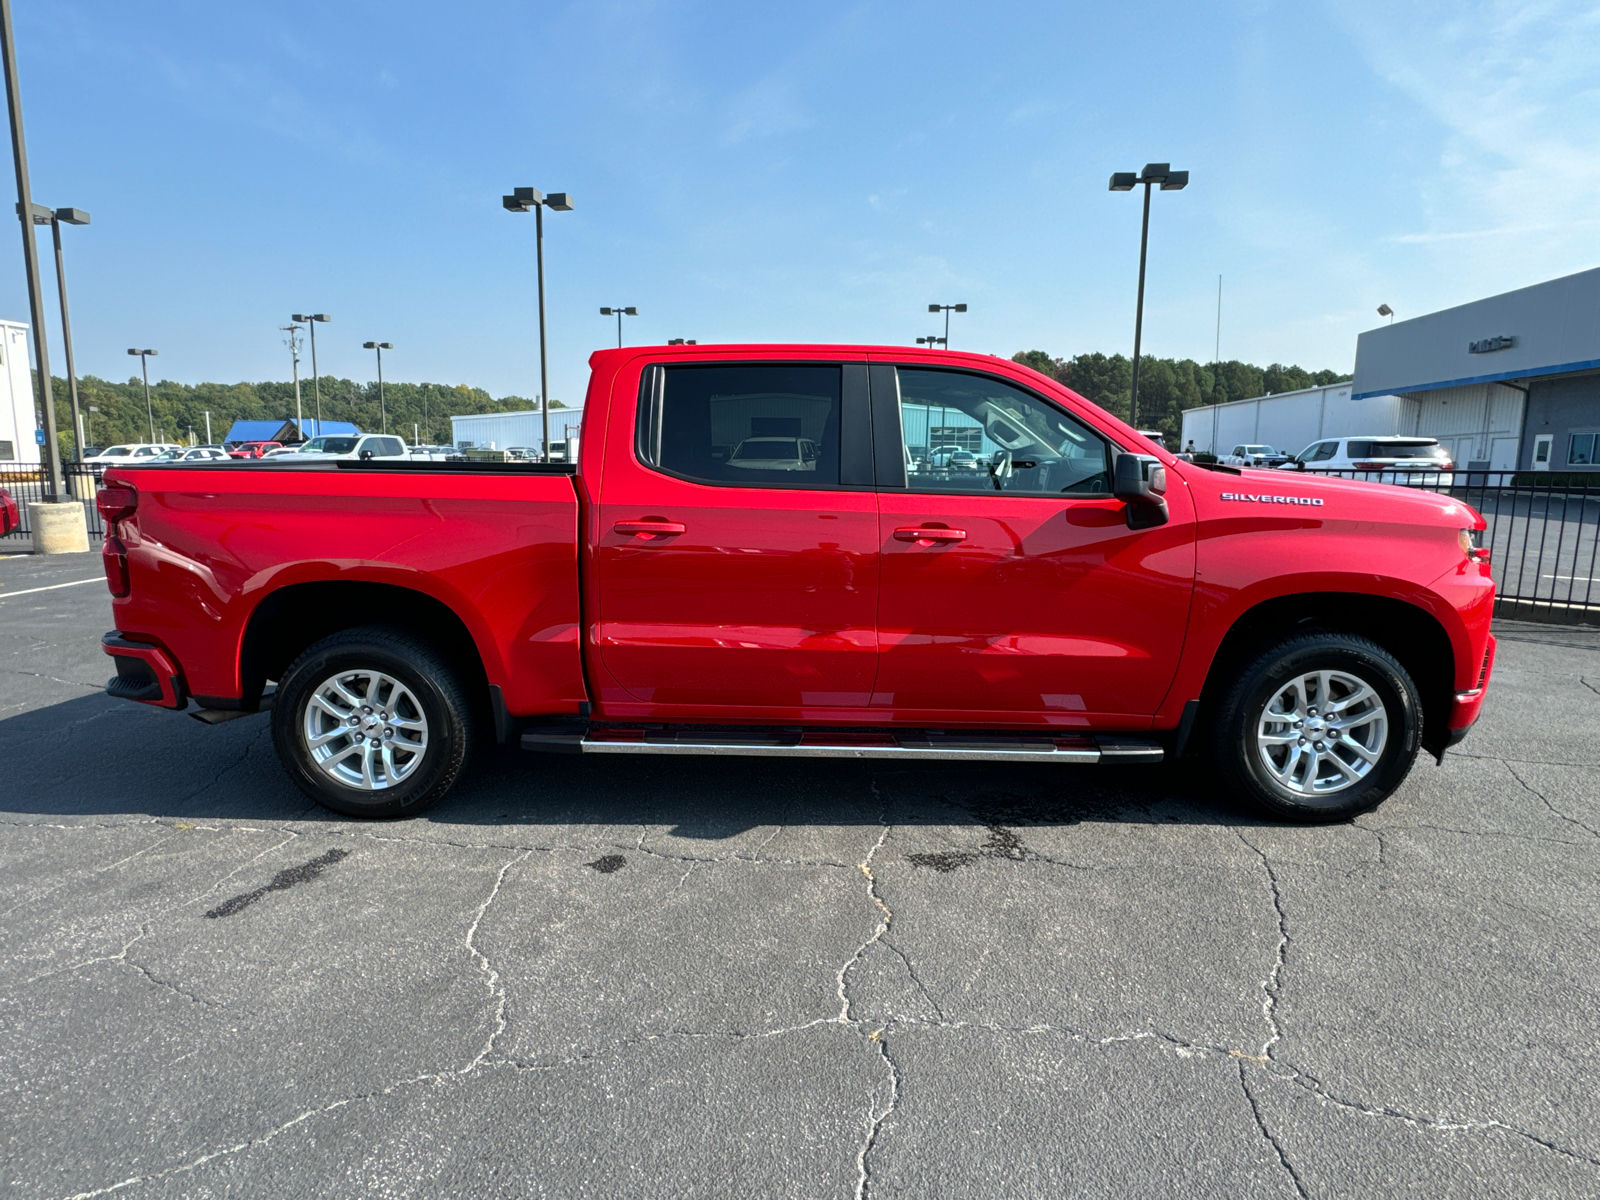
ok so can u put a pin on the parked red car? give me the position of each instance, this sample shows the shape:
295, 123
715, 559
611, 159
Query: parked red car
254, 449
1074, 594
10, 516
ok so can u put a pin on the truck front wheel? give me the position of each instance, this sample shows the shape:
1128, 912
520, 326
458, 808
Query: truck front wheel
372, 722
1319, 727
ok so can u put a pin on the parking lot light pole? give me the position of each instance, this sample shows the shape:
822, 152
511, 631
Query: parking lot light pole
144, 365
1385, 311
311, 320
1124, 181
947, 309
527, 199
619, 313
931, 342
55, 485
55, 219
380, 347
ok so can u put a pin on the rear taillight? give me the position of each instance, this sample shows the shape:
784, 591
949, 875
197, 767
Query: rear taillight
116, 501
114, 557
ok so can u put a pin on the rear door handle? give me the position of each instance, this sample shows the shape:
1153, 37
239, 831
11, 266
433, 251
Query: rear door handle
650, 527
929, 534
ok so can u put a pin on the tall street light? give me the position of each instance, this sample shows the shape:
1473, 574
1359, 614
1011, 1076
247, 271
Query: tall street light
935, 340
947, 309
30, 255
144, 365
380, 347
682, 342
1169, 180
527, 199
1385, 311
619, 313
55, 219
293, 342
311, 320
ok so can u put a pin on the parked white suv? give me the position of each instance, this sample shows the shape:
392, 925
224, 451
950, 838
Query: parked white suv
1410, 461
358, 446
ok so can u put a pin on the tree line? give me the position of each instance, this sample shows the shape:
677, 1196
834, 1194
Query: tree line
1168, 386
180, 408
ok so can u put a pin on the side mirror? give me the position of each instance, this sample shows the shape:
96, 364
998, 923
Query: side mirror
366, 454
1141, 482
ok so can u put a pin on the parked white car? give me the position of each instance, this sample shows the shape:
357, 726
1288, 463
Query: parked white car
191, 454
356, 446
1409, 461
1256, 455
131, 452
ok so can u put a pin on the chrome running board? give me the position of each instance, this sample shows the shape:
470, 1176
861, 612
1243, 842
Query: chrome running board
795, 743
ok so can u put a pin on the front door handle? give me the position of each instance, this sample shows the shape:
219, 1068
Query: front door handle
926, 535
649, 528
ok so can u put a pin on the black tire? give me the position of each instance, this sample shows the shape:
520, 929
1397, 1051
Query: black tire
436, 691
1239, 757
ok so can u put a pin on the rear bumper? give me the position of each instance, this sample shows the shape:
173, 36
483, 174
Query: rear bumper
145, 673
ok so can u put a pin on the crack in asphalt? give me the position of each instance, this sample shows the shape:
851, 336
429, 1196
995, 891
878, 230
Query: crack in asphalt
1277, 1147
1272, 985
1545, 800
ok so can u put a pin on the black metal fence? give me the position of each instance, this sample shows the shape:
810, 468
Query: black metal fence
1541, 533
27, 484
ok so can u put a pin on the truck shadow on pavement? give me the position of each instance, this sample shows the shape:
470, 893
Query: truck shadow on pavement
96, 757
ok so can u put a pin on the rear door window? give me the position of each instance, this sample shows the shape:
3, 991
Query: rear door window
747, 424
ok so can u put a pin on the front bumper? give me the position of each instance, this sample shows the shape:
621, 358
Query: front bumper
145, 673
1466, 705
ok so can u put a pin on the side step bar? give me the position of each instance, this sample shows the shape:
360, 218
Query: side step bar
795, 743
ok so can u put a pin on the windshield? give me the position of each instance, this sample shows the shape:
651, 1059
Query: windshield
1259, 450
117, 452
329, 445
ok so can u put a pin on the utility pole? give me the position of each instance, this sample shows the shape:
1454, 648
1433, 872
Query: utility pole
55, 482
208, 428
293, 342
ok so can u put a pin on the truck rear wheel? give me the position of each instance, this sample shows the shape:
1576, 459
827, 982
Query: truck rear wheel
1318, 728
372, 722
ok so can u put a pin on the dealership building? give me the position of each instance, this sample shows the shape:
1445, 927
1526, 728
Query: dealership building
1511, 382
1508, 383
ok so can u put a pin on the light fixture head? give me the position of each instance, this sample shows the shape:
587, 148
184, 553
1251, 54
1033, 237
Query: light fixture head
559, 201
522, 199
385, 345
131, 350
321, 317
630, 311
369, 345
1123, 181
299, 317
72, 216
604, 311
933, 308
1175, 181
1155, 172
961, 308
1385, 311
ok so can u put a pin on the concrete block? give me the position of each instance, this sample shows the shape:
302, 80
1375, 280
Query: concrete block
58, 528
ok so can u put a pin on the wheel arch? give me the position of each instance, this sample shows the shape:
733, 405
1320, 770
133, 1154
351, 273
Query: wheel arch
294, 617
1412, 634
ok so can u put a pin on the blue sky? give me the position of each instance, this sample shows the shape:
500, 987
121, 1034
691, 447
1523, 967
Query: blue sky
795, 172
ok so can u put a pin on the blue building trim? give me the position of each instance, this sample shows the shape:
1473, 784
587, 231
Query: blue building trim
1533, 373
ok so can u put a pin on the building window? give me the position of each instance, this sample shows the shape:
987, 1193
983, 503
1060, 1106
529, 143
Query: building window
1582, 452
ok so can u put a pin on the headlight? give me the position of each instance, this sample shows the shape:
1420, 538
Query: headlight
1472, 545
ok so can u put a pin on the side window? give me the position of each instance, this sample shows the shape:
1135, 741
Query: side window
973, 433
390, 447
743, 424
1325, 451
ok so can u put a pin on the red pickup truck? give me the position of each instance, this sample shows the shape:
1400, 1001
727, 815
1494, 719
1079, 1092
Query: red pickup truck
867, 552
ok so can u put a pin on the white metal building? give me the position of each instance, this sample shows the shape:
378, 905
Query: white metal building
1291, 421
502, 431
19, 420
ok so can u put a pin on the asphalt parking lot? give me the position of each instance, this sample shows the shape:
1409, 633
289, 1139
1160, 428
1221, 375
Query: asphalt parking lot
779, 978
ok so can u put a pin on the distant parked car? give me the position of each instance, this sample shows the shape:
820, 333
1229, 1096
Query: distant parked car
357, 446
10, 516
952, 458
192, 454
130, 453
1255, 455
775, 454
1156, 436
253, 449
1414, 461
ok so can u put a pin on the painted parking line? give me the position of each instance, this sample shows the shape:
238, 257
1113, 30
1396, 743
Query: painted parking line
52, 587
